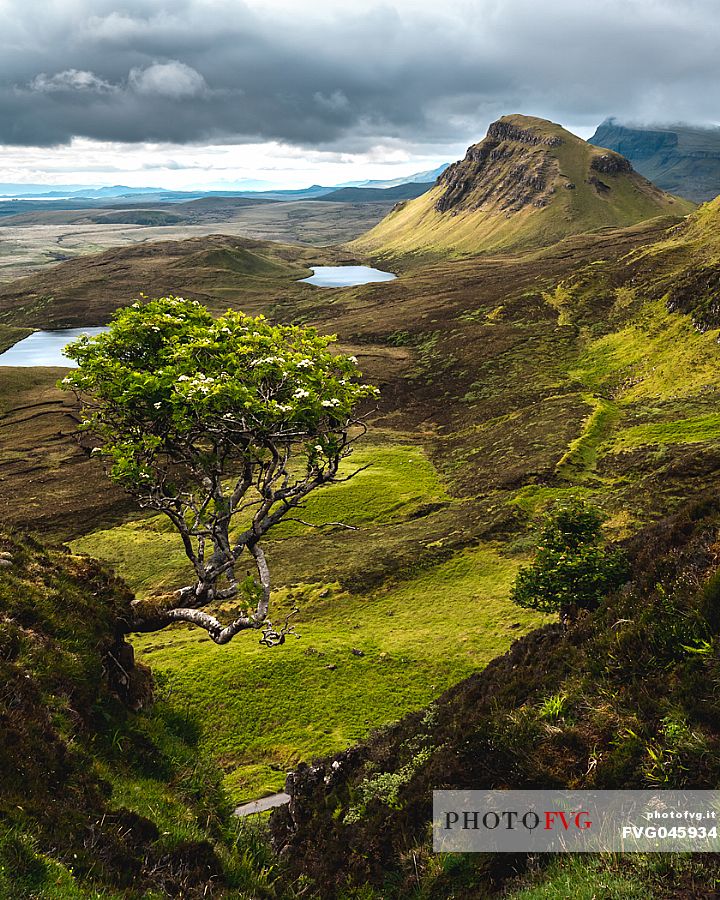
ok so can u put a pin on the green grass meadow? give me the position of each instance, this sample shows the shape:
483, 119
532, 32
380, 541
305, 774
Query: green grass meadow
263, 710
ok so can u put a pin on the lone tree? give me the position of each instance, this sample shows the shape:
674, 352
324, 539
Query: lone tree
574, 567
225, 425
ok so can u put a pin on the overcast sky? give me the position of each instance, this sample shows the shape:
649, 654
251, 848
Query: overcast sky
206, 92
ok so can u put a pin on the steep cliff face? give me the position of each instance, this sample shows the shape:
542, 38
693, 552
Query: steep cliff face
472, 183
529, 183
679, 159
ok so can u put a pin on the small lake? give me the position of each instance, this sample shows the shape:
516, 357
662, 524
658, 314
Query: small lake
346, 276
44, 348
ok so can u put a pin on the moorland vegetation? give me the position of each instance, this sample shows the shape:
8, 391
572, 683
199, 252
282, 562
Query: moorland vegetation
577, 372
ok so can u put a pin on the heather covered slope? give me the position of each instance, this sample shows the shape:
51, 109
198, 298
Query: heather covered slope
528, 184
101, 795
626, 697
623, 698
678, 158
690, 261
517, 382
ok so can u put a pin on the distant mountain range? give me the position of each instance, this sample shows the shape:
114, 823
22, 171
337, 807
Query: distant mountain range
252, 189
370, 194
66, 191
528, 184
682, 159
421, 177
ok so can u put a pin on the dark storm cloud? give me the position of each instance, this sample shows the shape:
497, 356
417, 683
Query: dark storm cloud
346, 75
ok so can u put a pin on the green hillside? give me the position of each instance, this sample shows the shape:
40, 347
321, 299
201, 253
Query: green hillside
528, 184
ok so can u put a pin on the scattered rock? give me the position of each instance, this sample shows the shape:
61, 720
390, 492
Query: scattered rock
331, 667
611, 164
323, 594
356, 652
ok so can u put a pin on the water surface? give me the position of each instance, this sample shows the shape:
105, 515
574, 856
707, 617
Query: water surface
346, 276
44, 348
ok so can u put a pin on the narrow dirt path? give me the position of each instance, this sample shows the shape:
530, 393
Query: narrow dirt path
263, 804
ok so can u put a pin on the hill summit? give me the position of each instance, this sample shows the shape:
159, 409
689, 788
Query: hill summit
529, 183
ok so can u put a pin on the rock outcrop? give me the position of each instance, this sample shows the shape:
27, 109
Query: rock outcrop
528, 180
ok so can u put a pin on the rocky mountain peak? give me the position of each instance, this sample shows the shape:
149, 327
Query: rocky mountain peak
508, 170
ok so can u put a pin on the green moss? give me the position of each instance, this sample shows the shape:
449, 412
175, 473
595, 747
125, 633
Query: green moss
657, 355
681, 431
581, 455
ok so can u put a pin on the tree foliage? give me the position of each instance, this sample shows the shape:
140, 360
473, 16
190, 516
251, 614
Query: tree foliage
222, 424
574, 567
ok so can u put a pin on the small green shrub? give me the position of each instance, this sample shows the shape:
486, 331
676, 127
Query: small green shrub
574, 568
553, 707
386, 786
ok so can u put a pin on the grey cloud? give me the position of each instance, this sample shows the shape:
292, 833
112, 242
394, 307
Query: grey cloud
171, 79
347, 77
69, 80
